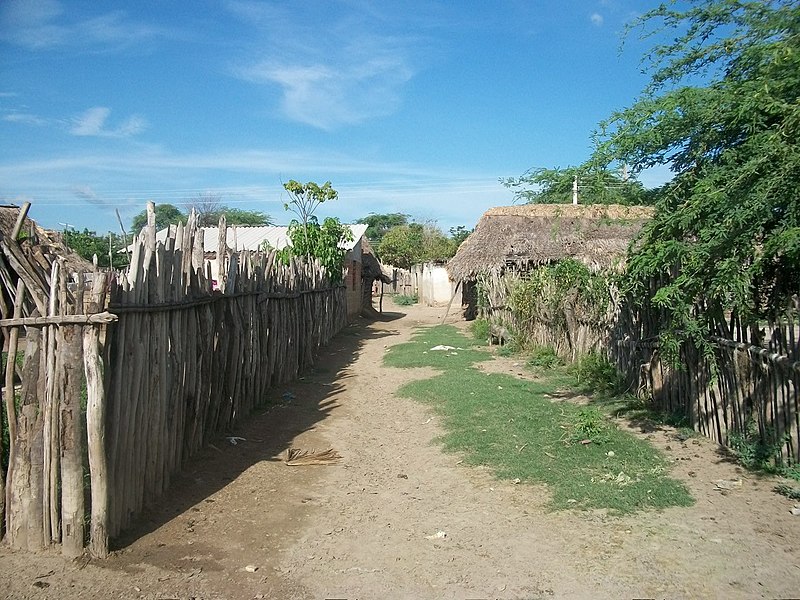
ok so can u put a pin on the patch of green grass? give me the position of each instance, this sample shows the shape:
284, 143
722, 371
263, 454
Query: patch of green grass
514, 427
760, 453
509, 349
402, 300
418, 353
791, 472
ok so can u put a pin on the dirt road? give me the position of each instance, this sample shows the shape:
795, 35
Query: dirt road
240, 524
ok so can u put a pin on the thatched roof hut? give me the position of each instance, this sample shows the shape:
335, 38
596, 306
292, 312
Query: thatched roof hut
534, 234
41, 246
371, 267
29, 255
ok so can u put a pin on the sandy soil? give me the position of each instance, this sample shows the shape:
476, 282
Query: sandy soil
241, 524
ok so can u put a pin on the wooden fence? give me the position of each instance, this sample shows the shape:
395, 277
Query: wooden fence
170, 362
746, 393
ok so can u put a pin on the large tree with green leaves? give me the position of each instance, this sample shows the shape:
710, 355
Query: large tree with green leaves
408, 245
166, 215
209, 209
596, 185
723, 109
105, 247
379, 224
208, 214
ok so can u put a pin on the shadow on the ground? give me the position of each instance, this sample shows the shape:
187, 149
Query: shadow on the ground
290, 409
374, 315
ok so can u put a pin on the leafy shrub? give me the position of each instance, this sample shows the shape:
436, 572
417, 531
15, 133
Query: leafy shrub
480, 329
755, 452
403, 300
544, 357
595, 373
788, 491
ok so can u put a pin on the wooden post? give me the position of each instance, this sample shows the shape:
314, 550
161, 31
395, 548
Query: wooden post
96, 428
70, 344
9, 398
23, 212
49, 410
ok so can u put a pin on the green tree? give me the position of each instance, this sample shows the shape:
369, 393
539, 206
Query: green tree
379, 224
722, 109
323, 242
408, 245
209, 209
596, 185
459, 234
238, 216
166, 214
308, 237
88, 244
305, 198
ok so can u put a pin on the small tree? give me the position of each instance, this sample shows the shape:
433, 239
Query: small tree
305, 199
459, 234
323, 242
309, 238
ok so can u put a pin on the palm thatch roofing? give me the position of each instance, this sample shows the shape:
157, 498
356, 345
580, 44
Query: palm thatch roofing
371, 267
41, 246
534, 234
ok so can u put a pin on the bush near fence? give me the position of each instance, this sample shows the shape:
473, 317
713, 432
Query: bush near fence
742, 395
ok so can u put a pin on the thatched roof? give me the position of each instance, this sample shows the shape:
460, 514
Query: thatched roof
535, 234
40, 245
371, 267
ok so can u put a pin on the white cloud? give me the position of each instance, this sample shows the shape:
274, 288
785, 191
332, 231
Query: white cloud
250, 178
93, 123
25, 118
44, 24
349, 75
327, 96
596, 19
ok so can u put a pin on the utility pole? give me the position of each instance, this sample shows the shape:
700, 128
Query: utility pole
575, 190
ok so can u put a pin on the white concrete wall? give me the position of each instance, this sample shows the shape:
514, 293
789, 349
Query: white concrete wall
435, 287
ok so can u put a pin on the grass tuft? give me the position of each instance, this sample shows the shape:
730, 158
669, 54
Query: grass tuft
402, 300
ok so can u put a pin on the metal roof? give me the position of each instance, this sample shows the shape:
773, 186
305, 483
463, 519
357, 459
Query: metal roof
251, 237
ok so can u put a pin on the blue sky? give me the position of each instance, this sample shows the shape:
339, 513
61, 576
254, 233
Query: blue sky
413, 107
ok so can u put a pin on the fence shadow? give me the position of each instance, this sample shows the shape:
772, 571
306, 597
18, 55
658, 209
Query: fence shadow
290, 410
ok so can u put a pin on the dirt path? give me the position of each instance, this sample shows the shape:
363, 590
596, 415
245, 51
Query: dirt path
240, 524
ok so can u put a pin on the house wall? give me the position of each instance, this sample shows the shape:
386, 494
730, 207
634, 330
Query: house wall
354, 285
435, 287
